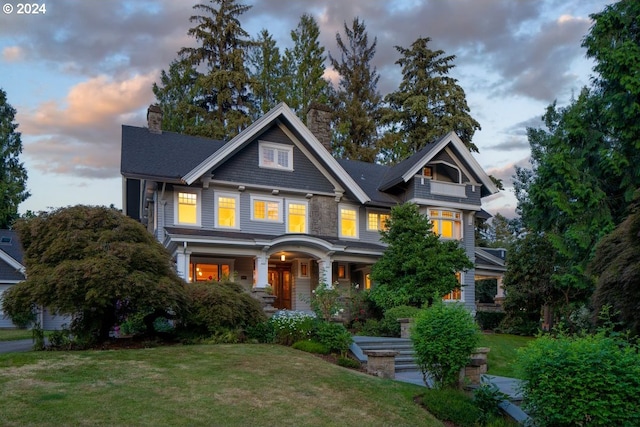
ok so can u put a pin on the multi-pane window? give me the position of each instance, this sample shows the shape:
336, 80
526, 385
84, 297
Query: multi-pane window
202, 272
377, 221
348, 222
187, 208
296, 217
227, 211
447, 224
266, 210
276, 156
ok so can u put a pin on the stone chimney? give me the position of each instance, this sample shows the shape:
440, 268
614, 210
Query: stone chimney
319, 123
154, 119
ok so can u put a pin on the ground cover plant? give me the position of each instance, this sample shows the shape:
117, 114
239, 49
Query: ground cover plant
230, 385
15, 334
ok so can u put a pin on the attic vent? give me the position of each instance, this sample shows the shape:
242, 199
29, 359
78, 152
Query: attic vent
5, 239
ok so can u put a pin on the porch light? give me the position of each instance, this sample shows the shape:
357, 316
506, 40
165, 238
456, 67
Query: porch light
282, 257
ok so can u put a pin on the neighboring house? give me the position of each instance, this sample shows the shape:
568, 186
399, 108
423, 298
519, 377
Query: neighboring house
12, 272
272, 206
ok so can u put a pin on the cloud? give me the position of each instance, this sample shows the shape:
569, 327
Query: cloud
507, 172
512, 143
12, 54
82, 137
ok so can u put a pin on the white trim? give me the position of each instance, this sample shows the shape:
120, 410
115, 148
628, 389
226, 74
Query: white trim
463, 151
281, 110
12, 262
236, 197
441, 218
288, 149
443, 204
187, 190
258, 197
349, 207
289, 202
376, 212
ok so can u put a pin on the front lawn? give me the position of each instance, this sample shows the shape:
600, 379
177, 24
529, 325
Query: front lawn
226, 385
15, 334
504, 352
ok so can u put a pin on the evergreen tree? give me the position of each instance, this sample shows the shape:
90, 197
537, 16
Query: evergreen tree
417, 266
357, 101
177, 98
266, 72
13, 176
304, 66
427, 105
221, 102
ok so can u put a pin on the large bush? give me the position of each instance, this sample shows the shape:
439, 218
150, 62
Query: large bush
97, 266
592, 380
444, 336
220, 306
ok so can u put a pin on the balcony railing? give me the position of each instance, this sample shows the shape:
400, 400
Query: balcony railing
448, 189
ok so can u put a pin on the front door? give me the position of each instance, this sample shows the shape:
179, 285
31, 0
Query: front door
280, 280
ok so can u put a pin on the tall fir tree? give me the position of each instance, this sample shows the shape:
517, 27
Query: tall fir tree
428, 104
304, 67
357, 101
221, 103
177, 97
13, 175
265, 64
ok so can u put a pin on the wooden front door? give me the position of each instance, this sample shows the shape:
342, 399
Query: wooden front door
280, 280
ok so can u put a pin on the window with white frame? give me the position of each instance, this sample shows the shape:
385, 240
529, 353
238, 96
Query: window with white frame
296, 217
187, 207
276, 156
348, 222
377, 221
456, 293
227, 208
447, 224
266, 209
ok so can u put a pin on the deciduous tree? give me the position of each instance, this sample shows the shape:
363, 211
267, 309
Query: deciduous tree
95, 265
13, 175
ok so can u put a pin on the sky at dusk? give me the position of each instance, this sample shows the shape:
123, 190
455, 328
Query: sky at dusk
80, 70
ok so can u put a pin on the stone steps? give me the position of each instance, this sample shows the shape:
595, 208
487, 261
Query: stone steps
404, 361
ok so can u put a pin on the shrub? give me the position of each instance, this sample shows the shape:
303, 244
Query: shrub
220, 306
389, 326
489, 320
370, 327
346, 362
326, 302
311, 347
592, 380
451, 405
333, 335
61, 339
487, 397
291, 326
263, 332
444, 336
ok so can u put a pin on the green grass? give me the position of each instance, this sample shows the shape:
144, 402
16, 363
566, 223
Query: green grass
225, 385
502, 357
15, 334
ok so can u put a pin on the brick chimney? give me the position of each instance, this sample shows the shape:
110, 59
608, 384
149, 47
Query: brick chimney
319, 123
154, 118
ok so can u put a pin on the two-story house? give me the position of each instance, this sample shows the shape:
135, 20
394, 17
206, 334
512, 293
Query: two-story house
273, 206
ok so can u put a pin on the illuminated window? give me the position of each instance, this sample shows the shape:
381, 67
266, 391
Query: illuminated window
367, 281
227, 210
296, 217
266, 210
377, 221
276, 156
447, 224
348, 222
427, 171
456, 294
186, 210
342, 271
204, 272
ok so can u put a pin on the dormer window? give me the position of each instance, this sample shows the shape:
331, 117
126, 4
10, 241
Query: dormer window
276, 156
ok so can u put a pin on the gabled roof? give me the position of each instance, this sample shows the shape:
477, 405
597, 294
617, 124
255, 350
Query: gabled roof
405, 170
163, 156
491, 258
280, 113
11, 255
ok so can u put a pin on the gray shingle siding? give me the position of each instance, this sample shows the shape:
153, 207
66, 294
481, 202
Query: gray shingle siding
421, 188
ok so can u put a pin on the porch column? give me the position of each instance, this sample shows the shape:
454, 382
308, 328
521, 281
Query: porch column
261, 263
182, 264
500, 293
325, 270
